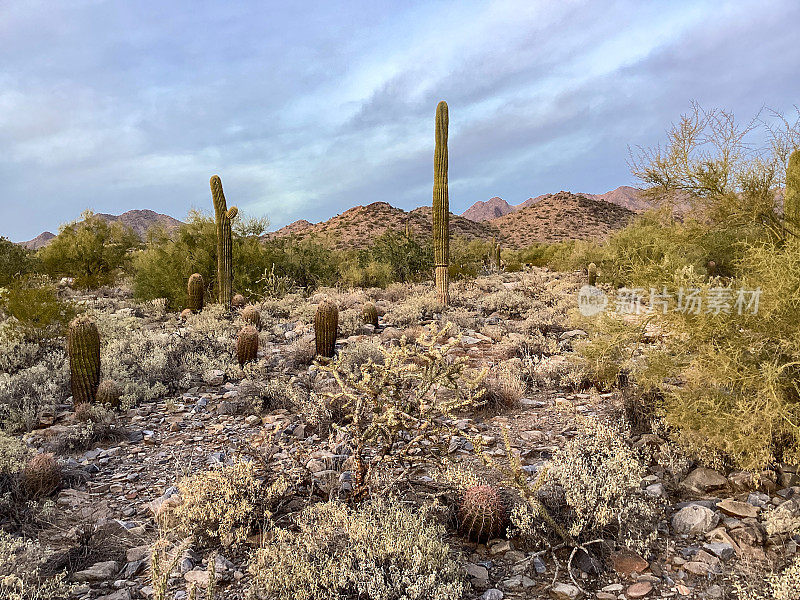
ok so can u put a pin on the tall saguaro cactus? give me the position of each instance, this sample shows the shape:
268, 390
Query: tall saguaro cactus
83, 350
791, 201
441, 206
224, 242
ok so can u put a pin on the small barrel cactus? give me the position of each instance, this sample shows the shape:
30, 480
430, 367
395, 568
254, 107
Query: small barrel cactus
370, 314
186, 313
712, 268
247, 345
250, 314
482, 513
41, 476
326, 326
591, 271
196, 289
238, 301
108, 392
83, 350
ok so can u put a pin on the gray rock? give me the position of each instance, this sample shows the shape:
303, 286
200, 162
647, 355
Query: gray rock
477, 571
565, 591
694, 520
492, 594
102, 571
123, 594
703, 480
719, 549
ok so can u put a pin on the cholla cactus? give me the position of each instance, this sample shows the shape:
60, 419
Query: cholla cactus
108, 392
224, 241
791, 201
196, 289
250, 314
247, 345
441, 206
370, 314
83, 350
326, 326
591, 271
41, 476
482, 513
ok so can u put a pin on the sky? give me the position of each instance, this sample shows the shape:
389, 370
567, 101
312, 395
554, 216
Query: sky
306, 109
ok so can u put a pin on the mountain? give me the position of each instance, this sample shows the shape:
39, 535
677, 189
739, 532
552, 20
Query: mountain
491, 209
359, 226
138, 220
559, 217
39, 241
625, 196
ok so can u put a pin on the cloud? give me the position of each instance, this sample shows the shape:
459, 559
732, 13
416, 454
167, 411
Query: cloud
307, 109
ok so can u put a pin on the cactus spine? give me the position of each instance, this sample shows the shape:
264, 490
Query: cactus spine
83, 349
196, 289
441, 206
326, 325
224, 242
591, 271
370, 314
247, 345
482, 513
791, 201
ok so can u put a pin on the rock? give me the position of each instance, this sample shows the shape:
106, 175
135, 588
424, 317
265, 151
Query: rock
694, 520
492, 594
702, 480
572, 333
122, 594
253, 420
740, 510
719, 549
639, 589
477, 571
696, 567
627, 562
500, 547
613, 588
137, 553
715, 592
102, 571
565, 591
655, 490
200, 577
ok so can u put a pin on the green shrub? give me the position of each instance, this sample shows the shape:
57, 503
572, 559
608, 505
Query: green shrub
383, 550
35, 308
91, 250
15, 261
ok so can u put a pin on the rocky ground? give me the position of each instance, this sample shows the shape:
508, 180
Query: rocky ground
106, 523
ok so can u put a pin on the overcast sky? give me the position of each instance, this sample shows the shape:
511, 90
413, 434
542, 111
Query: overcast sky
306, 109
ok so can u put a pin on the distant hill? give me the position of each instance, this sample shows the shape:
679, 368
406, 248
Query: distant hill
625, 196
559, 217
140, 221
359, 226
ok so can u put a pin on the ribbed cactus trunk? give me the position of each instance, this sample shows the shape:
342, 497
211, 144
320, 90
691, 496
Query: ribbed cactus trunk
591, 271
791, 202
196, 289
495, 254
369, 313
247, 345
441, 206
83, 350
326, 327
223, 217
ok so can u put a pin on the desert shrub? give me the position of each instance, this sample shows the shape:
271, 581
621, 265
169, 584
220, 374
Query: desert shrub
509, 303
15, 261
35, 308
21, 578
224, 506
382, 550
405, 259
414, 309
467, 257
96, 425
360, 353
500, 390
91, 250
783, 585
13, 455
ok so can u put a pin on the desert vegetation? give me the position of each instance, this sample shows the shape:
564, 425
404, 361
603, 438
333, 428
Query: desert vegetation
213, 412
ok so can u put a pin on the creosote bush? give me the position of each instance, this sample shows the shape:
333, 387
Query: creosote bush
21, 578
382, 550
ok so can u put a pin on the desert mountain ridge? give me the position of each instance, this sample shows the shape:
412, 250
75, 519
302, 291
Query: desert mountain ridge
624, 196
546, 218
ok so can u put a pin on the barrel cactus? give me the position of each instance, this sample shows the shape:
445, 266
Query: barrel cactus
441, 207
326, 325
83, 350
251, 315
108, 392
223, 216
41, 476
247, 345
591, 271
482, 513
238, 301
370, 314
791, 201
196, 289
